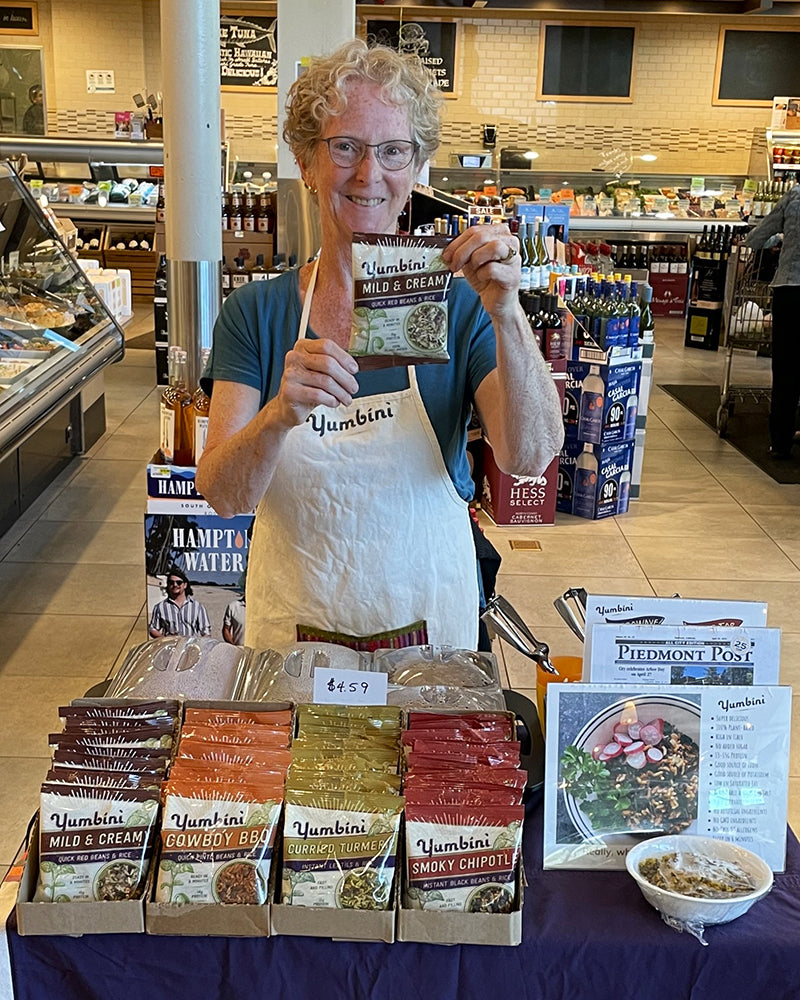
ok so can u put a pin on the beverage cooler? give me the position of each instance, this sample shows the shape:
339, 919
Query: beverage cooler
56, 336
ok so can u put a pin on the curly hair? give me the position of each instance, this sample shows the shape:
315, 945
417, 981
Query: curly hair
321, 93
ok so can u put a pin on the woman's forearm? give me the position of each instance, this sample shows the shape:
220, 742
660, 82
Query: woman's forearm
234, 474
520, 403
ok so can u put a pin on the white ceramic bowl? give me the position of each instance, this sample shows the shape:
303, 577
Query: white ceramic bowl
688, 908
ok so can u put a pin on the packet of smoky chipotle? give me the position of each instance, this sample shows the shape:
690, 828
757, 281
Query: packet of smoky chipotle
400, 286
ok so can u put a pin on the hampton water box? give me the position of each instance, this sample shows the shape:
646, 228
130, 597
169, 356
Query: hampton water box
601, 401
182, 530
594, 481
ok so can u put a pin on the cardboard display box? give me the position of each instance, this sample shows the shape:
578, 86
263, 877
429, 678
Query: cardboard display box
594, 480
443, 927
328, 921
207, 919
669, 294
85, 917
214, 919
522, 499
338, 925
518, 499
601, 401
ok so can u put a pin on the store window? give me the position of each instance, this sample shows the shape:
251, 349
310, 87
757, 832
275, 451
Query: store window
22, 95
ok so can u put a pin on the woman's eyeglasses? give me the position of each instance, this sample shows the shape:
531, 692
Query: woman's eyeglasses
394, 154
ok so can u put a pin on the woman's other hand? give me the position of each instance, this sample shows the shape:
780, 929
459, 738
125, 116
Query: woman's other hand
489, 258
316, 373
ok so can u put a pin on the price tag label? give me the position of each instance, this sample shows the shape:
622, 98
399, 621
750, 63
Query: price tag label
349, 687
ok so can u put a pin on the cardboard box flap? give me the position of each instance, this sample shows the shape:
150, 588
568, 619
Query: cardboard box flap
76, 918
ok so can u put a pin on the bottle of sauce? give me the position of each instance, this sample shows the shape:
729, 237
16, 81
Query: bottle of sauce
249, 214
240, 275
235, 214
175, 433
161, 205
259, 272
200, 407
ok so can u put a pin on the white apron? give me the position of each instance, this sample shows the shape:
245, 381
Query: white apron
361, 529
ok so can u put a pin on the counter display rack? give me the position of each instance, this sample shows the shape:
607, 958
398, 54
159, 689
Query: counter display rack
56, 336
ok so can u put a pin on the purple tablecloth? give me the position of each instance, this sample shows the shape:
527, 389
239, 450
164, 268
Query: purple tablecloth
587, 936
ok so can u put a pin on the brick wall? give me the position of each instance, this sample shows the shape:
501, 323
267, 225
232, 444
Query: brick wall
671, 115
96, 34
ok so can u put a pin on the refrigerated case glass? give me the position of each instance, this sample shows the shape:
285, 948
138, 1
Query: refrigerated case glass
55, 332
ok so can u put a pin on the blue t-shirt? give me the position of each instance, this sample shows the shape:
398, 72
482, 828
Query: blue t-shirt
258, 325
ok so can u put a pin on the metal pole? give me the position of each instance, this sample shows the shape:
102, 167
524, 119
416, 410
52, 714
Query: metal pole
305, 28
192, 172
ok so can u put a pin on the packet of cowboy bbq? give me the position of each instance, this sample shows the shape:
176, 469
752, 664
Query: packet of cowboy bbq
217, 840
400, 286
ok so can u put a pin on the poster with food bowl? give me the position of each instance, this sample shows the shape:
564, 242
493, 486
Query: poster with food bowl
625, 764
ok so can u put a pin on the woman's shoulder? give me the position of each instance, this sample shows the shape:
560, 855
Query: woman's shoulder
283, 285
261, 304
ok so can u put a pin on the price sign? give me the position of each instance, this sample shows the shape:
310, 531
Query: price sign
349, 687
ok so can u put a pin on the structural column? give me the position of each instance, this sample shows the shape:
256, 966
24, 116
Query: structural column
192, 171
305, 28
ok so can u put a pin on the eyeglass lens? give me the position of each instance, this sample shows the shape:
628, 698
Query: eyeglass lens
394, 154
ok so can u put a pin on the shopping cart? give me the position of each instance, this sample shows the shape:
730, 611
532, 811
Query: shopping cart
748, 323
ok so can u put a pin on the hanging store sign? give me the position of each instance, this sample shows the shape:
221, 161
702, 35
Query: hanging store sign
435, 42
248, 55
19, 19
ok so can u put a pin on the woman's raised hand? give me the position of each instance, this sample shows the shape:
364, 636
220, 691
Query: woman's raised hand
316, 373
489, 258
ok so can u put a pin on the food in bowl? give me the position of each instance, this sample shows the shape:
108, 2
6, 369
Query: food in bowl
689, 909
692, 874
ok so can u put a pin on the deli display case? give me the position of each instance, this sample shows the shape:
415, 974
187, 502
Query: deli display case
56, 336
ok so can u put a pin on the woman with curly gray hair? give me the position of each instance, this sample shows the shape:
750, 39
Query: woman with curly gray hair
360, 480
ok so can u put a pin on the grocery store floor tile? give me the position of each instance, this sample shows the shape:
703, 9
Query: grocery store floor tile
709, 524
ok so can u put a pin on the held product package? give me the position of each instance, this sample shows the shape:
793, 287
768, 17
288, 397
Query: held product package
400, 286
594, 480
601, 401
626, 762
